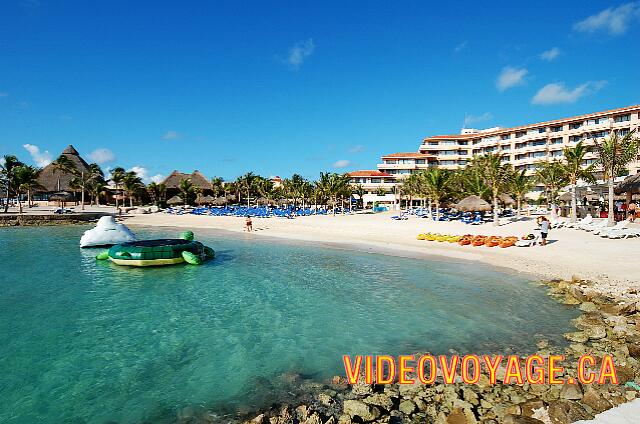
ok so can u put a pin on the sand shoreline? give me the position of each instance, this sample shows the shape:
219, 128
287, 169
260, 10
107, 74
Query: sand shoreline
571, 253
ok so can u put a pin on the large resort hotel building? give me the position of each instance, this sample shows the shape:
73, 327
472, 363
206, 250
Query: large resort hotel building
522, 146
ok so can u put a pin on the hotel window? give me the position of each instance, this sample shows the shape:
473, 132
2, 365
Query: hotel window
538, 154
390, 162
556, 129
624, 131
462, 162
420, 161
557, 140
433, 143
504, 158
407, 161
507, 147
520, 145
520, 134
463, 143
555, 153
376, 180
575, 138
575, 125
596, 121
622, 118
463, 152
537, 143
504, 137
589, 161
522, 156
448, 162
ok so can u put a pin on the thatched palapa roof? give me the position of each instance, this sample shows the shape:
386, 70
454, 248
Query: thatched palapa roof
204, 200
49, 175
196, 177
175, 200
631, 184
472, 203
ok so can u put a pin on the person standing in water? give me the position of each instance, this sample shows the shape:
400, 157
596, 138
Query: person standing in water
248, 224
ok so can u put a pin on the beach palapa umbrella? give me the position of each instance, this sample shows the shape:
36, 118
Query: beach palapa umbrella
506, 199
566, 197
473, 203
204, 200
175, 200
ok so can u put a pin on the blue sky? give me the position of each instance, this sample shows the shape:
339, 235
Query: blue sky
279, 87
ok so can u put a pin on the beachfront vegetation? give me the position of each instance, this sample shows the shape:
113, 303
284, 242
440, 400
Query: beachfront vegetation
553, 176
7, 177
520, 185
614, 154
575, 170
496, 175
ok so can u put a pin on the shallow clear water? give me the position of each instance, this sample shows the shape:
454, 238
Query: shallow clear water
86, 341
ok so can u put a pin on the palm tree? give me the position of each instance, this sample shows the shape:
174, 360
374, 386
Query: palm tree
96, 188
10, 163
131, 183
84, 179
381, 191
322, 189
553, 176
64, 165
614, 154
117, 176
495, 175
411, 187
360, 191
575, 170
187, 190
436, 183
521, 184
25, 181
217, 185
246, 184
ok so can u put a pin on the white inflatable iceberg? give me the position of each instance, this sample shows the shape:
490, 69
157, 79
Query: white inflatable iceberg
107, 232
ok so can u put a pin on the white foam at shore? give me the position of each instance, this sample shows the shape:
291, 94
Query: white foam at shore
627, 413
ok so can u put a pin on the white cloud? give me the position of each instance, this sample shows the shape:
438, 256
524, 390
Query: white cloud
1, 160
558, 92
143, 173
460, 47
511, 77
550, 54
299, 53
102, 156
342, 163
41, 159
613, 20
356, 149
472, 119
171, 135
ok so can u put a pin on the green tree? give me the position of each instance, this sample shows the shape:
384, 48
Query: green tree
83, 179
217, 185
521, 184
7, 177
245, 184
436, 183
117, 176
360, 191
553, 176
575, 170
495, 175
26, 181
187, 191
64, 165
131, 183
614, 154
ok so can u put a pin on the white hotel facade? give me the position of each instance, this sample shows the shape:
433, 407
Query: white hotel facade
523, 147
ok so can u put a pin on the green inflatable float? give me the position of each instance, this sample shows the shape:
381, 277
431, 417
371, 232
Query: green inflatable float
159, 252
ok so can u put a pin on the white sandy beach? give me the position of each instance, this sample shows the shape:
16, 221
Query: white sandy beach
611, 264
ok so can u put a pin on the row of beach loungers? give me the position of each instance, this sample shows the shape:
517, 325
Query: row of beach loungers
598, 227
256, 212
474, 218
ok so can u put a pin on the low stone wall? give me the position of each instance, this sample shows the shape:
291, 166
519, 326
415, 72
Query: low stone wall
15, 220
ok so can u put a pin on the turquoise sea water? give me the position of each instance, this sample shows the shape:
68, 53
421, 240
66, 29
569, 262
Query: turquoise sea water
90, 342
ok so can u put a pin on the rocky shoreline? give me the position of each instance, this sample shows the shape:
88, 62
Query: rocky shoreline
17, 220
606, 326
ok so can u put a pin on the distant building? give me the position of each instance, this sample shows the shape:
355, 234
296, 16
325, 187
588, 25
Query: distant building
277, 182
52, 180
379, 186
172, 182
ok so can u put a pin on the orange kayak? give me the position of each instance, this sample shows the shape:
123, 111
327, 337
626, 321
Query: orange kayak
493, 241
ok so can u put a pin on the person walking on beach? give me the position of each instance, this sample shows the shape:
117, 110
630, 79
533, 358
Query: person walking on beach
545, 226
631, 211
248, 224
